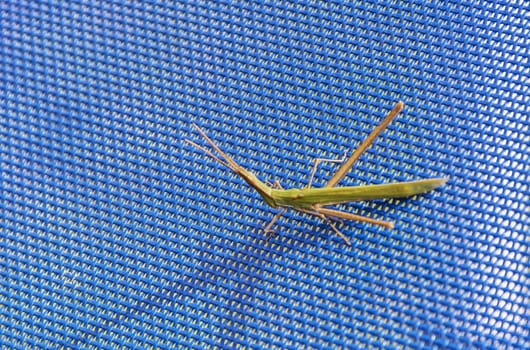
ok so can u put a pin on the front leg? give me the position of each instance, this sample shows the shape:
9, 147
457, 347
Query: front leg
267, 229
276, 184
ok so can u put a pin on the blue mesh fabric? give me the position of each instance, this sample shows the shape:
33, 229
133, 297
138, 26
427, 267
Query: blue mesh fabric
116, 233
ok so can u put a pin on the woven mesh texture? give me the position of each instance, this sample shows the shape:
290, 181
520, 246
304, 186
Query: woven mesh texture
116, 233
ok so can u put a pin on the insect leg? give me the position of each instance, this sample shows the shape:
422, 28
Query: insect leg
267, 229
348, 216
276, 184
347, 165
322, 160
337, 231
328, 221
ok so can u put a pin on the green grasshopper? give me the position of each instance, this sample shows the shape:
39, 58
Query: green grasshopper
311, 200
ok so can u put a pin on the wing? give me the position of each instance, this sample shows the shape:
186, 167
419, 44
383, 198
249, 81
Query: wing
305, 198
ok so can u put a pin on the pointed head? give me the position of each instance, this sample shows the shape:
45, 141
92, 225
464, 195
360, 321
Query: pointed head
227, 161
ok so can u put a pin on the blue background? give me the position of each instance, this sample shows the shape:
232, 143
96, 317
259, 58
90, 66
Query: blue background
115, 232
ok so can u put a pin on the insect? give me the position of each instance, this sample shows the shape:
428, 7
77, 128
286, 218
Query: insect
315, 201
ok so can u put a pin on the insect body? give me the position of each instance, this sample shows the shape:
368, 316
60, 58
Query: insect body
312, 200
307, 198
